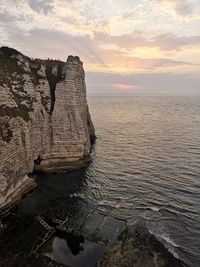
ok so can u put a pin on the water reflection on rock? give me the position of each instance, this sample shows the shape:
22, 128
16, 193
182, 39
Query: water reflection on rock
73, 250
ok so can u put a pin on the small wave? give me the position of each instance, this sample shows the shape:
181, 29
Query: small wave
154, 208
170, 244
169, 241
106, 203
161, 233
76, 195
112, 204
2, 226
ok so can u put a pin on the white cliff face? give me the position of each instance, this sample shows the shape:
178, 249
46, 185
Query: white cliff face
44, 120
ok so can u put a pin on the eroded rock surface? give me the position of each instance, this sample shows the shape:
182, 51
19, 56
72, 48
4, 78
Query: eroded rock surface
137, 247
44, 120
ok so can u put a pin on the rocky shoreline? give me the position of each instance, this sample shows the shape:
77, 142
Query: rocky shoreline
138, 248
112, 242
15, 195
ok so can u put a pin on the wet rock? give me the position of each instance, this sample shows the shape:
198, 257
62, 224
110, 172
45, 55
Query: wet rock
105, 241
137, 247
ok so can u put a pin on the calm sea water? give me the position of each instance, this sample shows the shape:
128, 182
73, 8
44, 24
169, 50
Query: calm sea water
146, 164
146, 167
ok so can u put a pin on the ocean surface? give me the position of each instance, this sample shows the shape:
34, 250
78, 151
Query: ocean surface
147, 164
145, 167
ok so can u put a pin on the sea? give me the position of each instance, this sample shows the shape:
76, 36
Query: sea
145, 166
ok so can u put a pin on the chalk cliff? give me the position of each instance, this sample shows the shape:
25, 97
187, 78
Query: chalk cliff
45, 124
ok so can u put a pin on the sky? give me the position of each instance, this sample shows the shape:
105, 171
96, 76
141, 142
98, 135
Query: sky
128, 47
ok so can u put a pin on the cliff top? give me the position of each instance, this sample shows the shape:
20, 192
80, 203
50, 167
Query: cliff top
14, 68
8, 53
14, 62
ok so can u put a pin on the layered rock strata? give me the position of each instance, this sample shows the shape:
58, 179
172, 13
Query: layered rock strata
45, 124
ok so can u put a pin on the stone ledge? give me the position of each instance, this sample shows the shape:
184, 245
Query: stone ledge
62, 166
15, 195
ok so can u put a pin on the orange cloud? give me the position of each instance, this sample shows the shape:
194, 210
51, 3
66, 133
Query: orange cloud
124, 87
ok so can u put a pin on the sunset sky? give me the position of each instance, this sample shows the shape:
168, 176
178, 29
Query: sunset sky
127, 46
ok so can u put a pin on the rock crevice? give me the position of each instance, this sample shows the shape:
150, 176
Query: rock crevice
44, 119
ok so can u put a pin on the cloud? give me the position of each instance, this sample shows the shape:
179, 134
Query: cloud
124, 87
55, 44
166, 63
144, 84
170, 41
183, 8
6, 17
180, 8
139, 37
58, 44
167, 41
41, 6
128, 41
